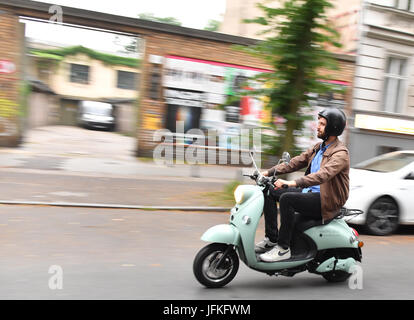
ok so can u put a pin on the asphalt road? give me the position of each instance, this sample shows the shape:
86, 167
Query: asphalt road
132, 254
136, 254
22, 185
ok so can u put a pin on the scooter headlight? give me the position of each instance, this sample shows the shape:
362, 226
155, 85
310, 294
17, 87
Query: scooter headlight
239, 195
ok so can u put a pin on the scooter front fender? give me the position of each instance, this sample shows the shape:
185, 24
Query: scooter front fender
222, 233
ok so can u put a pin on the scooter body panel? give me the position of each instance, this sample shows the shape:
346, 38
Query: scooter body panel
246, 217
337, 264
277, 266
222, 233
336, 234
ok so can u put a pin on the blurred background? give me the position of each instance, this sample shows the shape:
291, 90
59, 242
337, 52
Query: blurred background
86, 85
53, 65
133, 69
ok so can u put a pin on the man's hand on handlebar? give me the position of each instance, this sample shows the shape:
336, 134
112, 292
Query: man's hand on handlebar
280, 183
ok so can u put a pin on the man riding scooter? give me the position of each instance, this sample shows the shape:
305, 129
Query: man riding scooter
319, 194
321, 241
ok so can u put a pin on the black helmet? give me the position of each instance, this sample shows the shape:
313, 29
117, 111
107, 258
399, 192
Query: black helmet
335, 121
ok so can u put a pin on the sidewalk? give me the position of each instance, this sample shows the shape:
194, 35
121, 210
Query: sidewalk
61, 165
100, 153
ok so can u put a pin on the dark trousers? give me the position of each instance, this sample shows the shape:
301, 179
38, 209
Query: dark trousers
290, 200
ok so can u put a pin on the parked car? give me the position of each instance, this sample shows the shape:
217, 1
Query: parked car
383, 187
94, 114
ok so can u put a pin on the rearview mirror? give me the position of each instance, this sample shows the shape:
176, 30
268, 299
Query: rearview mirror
286, 157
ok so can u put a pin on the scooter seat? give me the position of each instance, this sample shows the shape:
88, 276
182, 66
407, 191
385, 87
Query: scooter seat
302, 224
307, 224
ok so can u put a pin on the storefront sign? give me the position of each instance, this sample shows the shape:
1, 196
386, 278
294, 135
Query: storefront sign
215, 82
386, 124
183, 98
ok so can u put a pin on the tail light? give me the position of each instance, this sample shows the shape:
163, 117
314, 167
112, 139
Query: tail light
355, 232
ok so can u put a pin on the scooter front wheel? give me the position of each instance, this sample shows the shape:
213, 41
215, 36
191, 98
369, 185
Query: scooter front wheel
216, 265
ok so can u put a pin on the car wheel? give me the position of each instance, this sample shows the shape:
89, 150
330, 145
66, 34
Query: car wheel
382, 217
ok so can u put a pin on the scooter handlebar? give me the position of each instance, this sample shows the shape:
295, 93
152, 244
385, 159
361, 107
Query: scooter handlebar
260, 179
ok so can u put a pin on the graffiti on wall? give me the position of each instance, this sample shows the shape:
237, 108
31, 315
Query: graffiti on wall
8, 114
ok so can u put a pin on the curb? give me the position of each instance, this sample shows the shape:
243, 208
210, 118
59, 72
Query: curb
113, 206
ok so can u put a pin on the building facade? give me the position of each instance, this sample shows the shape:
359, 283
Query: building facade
383, 97
380, 34
344, 16
78, 73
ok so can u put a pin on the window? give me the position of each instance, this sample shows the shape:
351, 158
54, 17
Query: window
127, 80
79, 73
407, 5
386, 149
395, 89
387, 163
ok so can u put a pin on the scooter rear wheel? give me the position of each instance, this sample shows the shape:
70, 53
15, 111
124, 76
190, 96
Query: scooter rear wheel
336, 276
206, 268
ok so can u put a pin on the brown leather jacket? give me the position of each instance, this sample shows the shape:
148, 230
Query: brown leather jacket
333, 175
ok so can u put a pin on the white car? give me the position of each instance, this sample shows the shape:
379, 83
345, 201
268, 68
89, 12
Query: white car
383, 187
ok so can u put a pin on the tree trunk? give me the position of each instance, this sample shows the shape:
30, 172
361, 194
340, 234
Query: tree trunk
289, 138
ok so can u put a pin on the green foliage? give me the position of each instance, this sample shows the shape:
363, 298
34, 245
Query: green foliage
271, 142
230, 187
110, 59
294, 47
212, 25
224, 197
151, 17
24, 92
42, 54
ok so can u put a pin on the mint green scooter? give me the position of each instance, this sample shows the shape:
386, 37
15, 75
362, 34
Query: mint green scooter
331, 249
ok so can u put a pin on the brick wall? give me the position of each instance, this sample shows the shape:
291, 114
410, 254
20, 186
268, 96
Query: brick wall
10, 51
163, 45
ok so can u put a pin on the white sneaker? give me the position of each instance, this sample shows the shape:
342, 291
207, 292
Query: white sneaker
264, 245
276, 254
